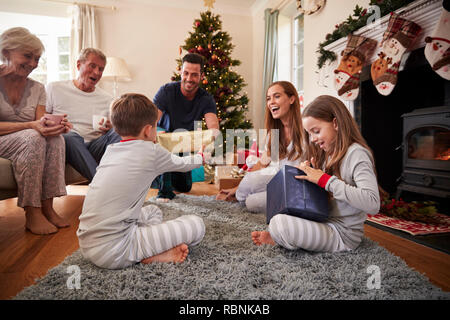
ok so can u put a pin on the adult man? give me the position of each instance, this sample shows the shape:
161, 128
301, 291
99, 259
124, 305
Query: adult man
80, 99
179, 104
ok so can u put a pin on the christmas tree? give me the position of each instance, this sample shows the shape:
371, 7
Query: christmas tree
224, 84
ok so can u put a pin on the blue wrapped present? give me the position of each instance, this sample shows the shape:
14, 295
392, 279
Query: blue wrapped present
300, 198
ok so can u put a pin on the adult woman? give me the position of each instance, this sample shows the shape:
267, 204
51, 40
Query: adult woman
282, 118
35, 148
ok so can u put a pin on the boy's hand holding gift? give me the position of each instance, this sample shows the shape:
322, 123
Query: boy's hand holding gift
206, 155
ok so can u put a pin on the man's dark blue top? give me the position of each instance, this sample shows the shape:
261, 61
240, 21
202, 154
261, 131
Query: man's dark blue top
179, 112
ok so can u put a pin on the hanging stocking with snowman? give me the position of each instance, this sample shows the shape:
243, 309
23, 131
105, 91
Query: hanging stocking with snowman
437, 48
397, 39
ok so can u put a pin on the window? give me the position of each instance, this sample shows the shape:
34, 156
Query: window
298, 50
54, 33
291, 47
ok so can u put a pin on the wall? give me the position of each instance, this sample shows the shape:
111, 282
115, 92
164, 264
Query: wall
148, 36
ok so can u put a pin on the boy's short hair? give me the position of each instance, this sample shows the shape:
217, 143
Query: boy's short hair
194, 58
131, 112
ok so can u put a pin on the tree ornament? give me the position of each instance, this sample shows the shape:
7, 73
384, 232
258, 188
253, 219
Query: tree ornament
212, 48
197, 23
209, 4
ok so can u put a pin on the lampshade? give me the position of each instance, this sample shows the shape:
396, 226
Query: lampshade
116, 69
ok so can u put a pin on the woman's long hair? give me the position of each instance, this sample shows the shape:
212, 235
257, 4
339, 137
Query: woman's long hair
328, 108
297, 132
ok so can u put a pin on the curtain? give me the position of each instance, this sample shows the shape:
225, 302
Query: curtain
270, 50
83, 33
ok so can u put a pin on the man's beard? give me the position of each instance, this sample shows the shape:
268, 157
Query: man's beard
193, 87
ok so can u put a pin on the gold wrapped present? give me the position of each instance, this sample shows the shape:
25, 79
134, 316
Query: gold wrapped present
185, 141
224, 178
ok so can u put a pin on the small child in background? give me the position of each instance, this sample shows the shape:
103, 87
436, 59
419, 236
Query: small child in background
115, 230
343, 165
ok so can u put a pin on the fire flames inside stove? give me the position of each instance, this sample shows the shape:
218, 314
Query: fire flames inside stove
430, 143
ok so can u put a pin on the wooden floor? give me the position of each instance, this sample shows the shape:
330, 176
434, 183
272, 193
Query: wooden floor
25, 257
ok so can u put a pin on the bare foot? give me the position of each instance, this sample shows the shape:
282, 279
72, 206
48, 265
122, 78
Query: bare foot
162, 200
177, 255
262, 237
37, 223
54, 218
227, 195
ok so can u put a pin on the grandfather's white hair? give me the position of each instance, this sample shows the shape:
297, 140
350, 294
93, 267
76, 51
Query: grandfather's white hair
87, 51
19, 38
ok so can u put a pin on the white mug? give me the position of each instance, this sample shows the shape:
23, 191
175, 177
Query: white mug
96, 118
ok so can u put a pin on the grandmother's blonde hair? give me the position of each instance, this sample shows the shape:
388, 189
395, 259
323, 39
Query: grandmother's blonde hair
19, 38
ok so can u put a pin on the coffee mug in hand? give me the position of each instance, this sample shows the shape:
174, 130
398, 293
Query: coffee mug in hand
56, 118
96, 119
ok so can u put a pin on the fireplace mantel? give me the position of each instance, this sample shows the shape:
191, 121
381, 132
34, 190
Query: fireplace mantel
423, 12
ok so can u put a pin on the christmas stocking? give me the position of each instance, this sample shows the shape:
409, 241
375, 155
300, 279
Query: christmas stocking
437, 48
358, 51
398, 37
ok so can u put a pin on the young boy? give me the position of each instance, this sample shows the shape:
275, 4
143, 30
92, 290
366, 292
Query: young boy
115, 230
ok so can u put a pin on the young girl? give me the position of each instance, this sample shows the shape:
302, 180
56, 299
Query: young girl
282, 115
342, 165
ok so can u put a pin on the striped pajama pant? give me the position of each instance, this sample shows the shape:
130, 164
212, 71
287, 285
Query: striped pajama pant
296, 233
148, 238
252, 190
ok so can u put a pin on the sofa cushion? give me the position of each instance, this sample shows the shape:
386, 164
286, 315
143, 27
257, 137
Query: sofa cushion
8, 182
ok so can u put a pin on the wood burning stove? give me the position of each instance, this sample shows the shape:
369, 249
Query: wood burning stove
426, 152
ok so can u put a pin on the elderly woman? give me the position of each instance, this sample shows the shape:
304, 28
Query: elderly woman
36, 148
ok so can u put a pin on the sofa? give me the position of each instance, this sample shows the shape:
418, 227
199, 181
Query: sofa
8, 186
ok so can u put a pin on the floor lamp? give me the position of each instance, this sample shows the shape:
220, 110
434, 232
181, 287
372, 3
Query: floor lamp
116, 69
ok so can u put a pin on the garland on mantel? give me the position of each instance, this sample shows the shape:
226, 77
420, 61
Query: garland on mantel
353, 23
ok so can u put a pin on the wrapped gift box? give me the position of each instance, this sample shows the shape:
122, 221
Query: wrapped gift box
185, 141
300, 198
224, 179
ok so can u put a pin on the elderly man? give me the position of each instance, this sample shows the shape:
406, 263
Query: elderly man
180, 104
80, 99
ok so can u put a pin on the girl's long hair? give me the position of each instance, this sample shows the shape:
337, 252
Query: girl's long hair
297, 132
328, 108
